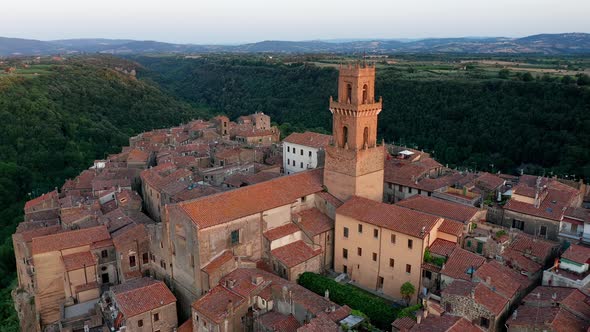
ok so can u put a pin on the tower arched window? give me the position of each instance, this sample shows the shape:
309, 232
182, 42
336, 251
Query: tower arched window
365, 94
348, 93
366, 137
344, 136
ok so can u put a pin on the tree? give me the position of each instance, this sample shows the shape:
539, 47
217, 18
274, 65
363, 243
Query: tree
527, 77
583, 79
567, 80
407, 290
504, 73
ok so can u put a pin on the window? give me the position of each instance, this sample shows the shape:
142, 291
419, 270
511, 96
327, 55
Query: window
345, 231
393, 238
104, 254
400, 189
145, 258
359, 251
519, 224
429, 194
301, 152
374, 257
156, 317
288, 161
410, 243
348, 93
543, 230
235, 237
408, 268
419, 191
366, 137
365, 94
344, 136
132, 261
484, 322
375, 233
140, 323
309, 153
344, 269
294, 151
293, 162
391, 262
360, 228
409, 190
345, 253
427, 274
303, 199
288, 149
301, 165
163, 264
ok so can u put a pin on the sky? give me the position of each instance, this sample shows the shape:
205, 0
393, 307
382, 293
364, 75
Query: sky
242, 21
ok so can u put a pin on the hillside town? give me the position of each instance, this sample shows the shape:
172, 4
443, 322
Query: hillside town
208, 226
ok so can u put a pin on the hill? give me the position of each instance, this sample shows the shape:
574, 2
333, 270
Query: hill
566, 43
469, 118
56, 123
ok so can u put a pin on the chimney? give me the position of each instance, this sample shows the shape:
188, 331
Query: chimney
327, 294
489, 280
230, 308
418, 319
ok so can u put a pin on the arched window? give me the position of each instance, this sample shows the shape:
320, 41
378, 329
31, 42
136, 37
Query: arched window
365, 94
348, 93
344, 136
366, 137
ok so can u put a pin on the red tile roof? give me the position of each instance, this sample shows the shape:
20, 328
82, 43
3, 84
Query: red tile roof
137, 155
218, 262
227, 206
518, 260
275, 321
320, 323
309, 139
489, 181
186, 326
577, 253
331, 199
294, 253
29, 235
71, 239
459, 262
140, 295
404, 323
451, 227
442, 247
314, 222
130, 234
505, 281
87, 286
52, 195
460, 288
491, 300
215, 303
79, 260
439, 207
566, 321
552, 207
392, 217
533, 246
444, 323
578, 303
281, 231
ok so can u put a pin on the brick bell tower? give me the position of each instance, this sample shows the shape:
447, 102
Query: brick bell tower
354, 162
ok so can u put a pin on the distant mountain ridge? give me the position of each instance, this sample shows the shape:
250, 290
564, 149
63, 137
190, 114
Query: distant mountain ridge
564, 43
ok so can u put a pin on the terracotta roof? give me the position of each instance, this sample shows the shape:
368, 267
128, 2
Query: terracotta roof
137, 155
518, 260
459, 287
186, 326
335, 202
78, 260
314, 222
445, 323
87, 286
489, 181
140, 295
294, 253
460, 262
340, 313
29, 235
71, 239
578, 213
491, 300
442, 247
404, 323
439, 207
577, 253
566, 321
553, 205
275, 321
227, 206
52, 195
392, 217
578, 303
538, 248
130, 233
215, 303
544, 294
310, 139
451, 227
320, 323
500, 278
218, 262
281, 231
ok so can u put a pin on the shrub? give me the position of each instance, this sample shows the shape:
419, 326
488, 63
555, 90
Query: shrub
409, 311
379, 311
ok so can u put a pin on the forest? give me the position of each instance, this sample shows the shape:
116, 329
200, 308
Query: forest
55, 124
472, 118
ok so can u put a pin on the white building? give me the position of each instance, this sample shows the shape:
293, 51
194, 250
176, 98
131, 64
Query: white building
302, 151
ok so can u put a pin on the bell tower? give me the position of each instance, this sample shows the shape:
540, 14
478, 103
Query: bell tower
354, 162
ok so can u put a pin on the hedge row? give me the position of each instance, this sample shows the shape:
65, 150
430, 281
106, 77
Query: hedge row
379, 311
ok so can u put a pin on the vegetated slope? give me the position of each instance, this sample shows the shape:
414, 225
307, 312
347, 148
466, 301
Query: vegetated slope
55, 125
470, 122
